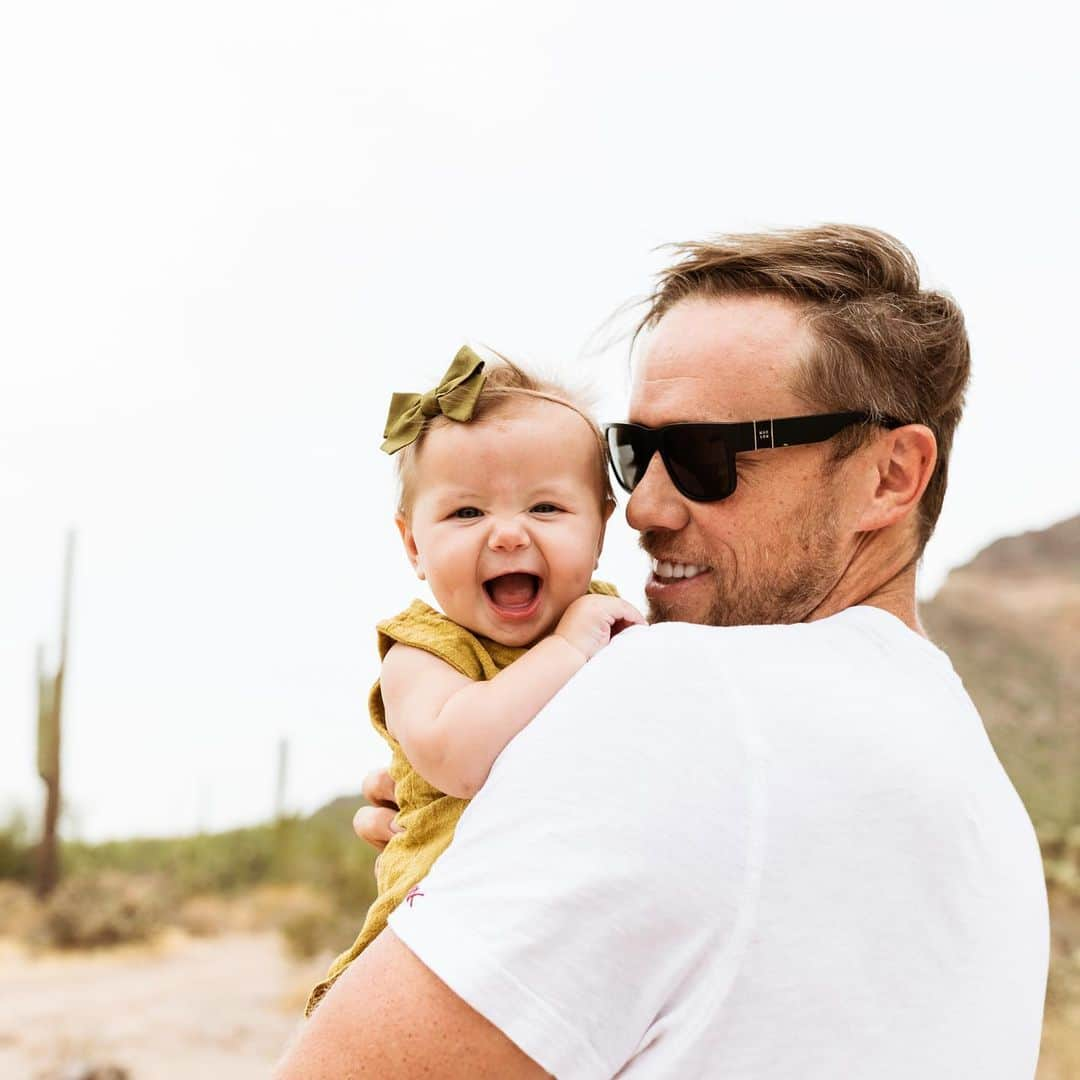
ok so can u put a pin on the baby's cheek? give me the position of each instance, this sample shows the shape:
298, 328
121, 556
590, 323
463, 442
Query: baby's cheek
577, 584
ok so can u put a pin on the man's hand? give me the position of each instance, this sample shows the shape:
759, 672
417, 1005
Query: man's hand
375, 823
591, 621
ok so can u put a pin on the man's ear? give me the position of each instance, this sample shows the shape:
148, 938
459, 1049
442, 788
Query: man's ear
408, 541
902, 461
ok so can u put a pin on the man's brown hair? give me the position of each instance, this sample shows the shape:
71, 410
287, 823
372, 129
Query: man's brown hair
885, 345
506, 385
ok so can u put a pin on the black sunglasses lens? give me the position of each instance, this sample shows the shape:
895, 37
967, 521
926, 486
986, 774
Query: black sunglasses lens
630, 449
700, 463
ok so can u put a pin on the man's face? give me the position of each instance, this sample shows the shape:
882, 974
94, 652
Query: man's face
775, 549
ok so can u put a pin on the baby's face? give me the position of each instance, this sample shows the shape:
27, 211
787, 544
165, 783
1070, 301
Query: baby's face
507, 520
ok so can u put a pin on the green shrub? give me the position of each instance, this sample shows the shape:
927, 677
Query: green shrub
108, 908
309, 878
309, 933
321, 851
16, 853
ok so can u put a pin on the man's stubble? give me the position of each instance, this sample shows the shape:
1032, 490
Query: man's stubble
783, 580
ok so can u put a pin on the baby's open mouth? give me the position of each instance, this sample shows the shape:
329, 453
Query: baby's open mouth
514, 594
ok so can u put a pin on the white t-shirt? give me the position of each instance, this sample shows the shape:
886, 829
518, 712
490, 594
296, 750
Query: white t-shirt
778, 852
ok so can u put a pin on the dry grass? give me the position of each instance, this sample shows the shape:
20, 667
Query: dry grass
110, 908
306, 918
1060, 1057
265, 907
20, 913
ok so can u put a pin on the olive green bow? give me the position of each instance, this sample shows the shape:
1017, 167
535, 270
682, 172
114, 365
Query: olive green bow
455, 398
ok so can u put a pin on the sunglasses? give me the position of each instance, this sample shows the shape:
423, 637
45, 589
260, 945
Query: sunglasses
700, 458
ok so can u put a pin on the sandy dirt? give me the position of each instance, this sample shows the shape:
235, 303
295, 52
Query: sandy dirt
211, 1007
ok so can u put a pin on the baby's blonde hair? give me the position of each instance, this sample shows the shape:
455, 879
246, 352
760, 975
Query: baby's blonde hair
505, 385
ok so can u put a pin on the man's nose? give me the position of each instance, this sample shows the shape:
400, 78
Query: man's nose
655, 503
508, 534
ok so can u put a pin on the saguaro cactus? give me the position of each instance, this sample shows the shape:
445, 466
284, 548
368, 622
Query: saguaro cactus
50, 699
282, 779
284, 826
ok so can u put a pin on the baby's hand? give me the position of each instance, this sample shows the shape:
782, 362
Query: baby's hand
591, 621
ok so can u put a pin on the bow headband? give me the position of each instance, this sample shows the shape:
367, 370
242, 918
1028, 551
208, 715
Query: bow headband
455, 398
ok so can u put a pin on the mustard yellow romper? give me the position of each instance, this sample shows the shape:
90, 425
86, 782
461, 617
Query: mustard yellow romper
427, 816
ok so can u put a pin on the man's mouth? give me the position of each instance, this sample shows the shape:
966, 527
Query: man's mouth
514, 596
667, 571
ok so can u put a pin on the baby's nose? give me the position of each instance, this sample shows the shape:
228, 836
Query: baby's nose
508, 535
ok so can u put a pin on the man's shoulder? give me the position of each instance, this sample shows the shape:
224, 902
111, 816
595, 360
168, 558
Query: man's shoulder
877, 630
834, 665
635, 653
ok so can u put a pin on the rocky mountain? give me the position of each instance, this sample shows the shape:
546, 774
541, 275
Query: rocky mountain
1010, 622
1053, 551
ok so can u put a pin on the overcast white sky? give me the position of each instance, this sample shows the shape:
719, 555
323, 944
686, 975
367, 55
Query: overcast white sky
231, 229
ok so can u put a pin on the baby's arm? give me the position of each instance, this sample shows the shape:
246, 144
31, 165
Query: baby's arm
452, 728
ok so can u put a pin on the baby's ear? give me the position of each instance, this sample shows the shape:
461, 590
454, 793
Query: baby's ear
609, 509
408, 541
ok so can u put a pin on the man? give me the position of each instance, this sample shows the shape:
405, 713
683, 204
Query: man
775, 844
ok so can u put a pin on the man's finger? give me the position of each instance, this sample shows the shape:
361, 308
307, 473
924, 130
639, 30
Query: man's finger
378, 788
374, 824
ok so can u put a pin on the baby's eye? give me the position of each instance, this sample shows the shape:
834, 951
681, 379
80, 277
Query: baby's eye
467, 512
545, 508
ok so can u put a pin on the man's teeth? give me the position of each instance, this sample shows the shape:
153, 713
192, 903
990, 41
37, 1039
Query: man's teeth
676, 570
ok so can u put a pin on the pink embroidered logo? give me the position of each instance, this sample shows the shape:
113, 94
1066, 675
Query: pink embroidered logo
412, 894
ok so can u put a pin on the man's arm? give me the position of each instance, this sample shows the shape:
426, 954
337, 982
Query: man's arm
388, 1016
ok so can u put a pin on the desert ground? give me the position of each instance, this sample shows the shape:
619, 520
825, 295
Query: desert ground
181, 1008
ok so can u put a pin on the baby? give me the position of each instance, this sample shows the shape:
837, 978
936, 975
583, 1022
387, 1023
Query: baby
504, 497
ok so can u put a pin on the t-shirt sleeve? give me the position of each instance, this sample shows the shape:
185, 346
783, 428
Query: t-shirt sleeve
613, 847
